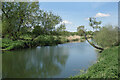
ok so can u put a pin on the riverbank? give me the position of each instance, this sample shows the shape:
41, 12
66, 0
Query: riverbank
43, 40
105, 67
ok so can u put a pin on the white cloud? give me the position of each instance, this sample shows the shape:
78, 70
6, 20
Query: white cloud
66, 22
102, 15
99, 15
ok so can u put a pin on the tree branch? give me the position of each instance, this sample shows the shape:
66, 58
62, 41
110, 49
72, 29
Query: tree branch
92, 43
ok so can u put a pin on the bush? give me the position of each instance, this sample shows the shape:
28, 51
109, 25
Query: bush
62, 39
45, 40
26, 37
107, 36
75, 39
16, 45
42, 40
8, 44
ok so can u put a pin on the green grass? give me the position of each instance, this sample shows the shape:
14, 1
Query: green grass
105, 67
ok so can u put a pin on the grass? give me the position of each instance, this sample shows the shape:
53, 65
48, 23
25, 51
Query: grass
105, 67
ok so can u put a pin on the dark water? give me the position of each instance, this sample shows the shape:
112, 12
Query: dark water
60, 61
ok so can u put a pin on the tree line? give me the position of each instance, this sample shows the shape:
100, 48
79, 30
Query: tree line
26, 17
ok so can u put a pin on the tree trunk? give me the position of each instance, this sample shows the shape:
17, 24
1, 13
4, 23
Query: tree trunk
92, 43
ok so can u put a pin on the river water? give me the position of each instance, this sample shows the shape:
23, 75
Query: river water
61, 61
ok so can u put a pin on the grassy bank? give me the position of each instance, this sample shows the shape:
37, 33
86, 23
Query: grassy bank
106, 66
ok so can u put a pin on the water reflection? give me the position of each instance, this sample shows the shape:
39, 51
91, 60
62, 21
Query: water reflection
38, 62
59, 61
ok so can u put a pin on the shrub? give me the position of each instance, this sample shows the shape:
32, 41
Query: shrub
26, 37
44, 40
75, 39
107, 36
62, 39
16, 45
8, 44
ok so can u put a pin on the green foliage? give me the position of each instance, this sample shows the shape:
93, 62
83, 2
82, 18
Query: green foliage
26, 42
29, 18
43, 40
75, 39
80, 30
8, 44
16, 45
107, 36
106, 66
46, 40
18, 12
89, 33
94, 24
26, 37
38, 30
73, 33
48, 20
82, 37
62, 39
61, 28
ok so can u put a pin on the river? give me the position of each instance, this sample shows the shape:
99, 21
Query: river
61, 61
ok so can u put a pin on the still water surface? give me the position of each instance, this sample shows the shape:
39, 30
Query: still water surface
63, 60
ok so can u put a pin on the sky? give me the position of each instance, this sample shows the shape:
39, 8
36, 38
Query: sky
75, 14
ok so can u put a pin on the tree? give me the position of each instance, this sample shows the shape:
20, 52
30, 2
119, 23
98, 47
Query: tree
17, 15
80, 30
97, 47
38, 30
48, 20
94, 24
61, 29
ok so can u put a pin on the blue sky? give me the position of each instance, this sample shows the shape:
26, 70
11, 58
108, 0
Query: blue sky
75, 14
